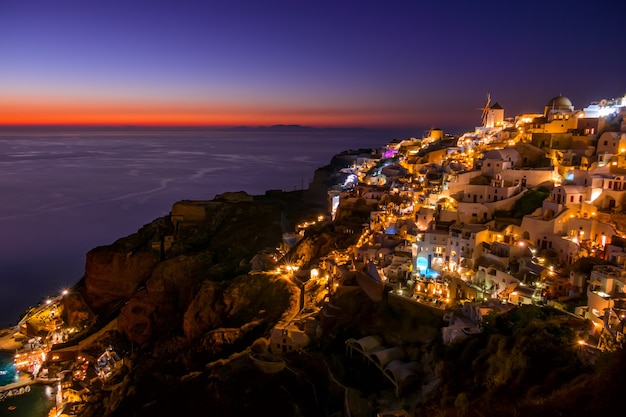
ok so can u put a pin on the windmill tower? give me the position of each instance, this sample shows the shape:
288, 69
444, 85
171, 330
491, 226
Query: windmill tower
492, 115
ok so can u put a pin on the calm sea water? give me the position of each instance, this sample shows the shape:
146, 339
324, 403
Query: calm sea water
35, 403
63, 193
7, 370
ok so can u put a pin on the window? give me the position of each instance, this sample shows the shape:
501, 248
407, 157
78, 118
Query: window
571, 198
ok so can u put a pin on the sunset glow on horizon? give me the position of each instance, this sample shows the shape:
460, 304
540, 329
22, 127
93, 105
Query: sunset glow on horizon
56, 111
323, 65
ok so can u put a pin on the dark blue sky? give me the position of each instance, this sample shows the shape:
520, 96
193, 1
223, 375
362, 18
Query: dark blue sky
321, 63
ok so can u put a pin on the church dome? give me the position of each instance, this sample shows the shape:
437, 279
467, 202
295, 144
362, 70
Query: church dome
560, 103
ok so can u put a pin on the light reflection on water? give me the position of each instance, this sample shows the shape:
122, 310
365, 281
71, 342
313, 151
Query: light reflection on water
64, 193
35, 403
7, 370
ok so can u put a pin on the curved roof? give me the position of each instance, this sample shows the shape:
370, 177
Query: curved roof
560, 102
365, 344
502, 154
401, 371
385, 356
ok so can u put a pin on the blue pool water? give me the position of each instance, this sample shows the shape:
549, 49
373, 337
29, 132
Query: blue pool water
35, 403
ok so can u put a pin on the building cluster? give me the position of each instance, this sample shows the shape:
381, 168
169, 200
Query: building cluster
522, 210
499, 214
45, 357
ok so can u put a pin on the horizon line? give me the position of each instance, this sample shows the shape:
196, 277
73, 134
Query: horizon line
195, 127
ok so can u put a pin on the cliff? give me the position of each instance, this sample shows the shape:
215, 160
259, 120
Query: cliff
181, 293
188, 314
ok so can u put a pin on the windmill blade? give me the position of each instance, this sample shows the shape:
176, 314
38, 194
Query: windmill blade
486, 109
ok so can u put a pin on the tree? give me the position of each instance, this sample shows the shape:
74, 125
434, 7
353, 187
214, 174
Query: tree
529, 202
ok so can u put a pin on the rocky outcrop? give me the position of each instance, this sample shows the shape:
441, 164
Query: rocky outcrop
249, 298
136, 320
156, 310
193, 301
234, 196
175, 281
76, 313
202, 313
113, 273
214, 241
314, 246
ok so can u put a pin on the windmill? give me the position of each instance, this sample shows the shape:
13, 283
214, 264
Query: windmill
486, 109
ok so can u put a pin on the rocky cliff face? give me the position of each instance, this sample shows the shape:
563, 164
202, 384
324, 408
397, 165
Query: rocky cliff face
215, 246
111, 274
190, 302
246, 299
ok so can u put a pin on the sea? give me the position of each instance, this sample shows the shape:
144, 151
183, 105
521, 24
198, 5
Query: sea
64, 192
35, 403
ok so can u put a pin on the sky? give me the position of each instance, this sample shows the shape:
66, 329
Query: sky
316, 63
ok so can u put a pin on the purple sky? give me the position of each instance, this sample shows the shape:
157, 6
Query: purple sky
321, 63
